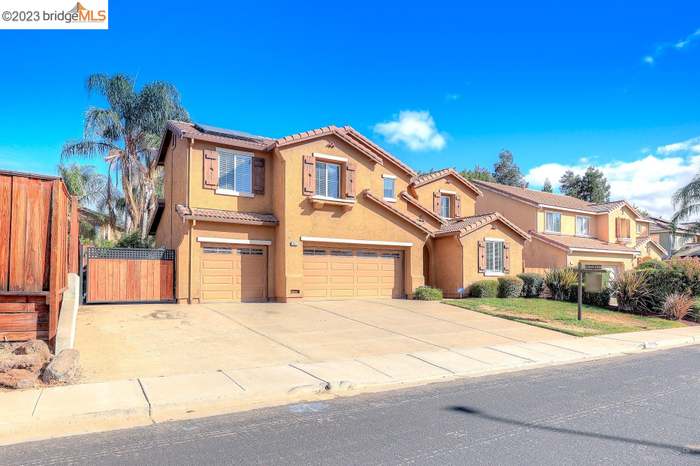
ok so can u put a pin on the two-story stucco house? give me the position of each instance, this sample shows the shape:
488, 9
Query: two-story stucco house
323, 214
567, 231
672, 238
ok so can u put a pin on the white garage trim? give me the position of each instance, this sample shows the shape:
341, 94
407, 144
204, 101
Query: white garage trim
607, 251
316, 239
255, 242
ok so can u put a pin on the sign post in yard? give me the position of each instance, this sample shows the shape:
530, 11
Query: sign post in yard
580, 289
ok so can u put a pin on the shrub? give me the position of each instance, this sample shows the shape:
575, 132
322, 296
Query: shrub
653, 264
533, 284
484, 289
133, 240
691, 270
509, 287
677, 305
632, 291
600, 299
560, 281
427, 293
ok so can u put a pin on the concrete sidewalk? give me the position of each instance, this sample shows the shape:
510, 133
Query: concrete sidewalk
74, 409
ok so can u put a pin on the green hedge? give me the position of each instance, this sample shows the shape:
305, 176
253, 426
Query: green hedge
533, 284
509, 287
427, 293
484, 289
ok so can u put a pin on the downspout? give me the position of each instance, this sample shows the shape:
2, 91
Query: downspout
461, 252
192, 223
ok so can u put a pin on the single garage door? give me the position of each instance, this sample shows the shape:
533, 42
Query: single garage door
232, 273
337, 272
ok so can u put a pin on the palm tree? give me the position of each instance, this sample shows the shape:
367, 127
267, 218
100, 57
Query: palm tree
687, 200
127, 134
84, 182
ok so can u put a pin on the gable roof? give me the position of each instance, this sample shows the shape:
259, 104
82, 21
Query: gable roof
414, 202
641, 242
261, 143
395, 211
558, 201
660, 225
579, 243
471, 224
426, 178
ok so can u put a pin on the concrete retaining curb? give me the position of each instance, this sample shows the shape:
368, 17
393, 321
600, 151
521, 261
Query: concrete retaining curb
66, 410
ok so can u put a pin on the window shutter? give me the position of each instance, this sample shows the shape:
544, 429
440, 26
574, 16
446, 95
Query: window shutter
309, 175
481, 254
258, 175
458, 206
350, 173
436, 202
628, 233
506, 258
211, 169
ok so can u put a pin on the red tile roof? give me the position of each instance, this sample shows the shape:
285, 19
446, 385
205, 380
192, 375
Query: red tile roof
561, 201
567, 242
248, 141
226, 216
414, 202
426, 178
641, 242
420, 225
473, 223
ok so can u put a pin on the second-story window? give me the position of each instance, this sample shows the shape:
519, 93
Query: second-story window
583, 226
389, 188
235, 172
445, 206
552, 222
328, 179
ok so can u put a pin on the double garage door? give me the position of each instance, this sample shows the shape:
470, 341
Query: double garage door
239, 273
232, 273
344, 272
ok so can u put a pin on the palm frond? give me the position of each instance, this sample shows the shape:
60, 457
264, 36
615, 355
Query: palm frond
85, 149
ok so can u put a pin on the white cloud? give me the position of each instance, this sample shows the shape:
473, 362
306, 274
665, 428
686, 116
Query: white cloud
648, 182
691, 146
415, 129
679, 45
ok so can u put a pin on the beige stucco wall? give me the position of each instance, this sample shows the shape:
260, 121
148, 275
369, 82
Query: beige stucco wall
521, 214
208, 198
623, 212
539, 256
456, 257
362, 221
424, 194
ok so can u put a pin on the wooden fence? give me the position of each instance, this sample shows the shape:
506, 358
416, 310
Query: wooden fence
129, 275
38, 247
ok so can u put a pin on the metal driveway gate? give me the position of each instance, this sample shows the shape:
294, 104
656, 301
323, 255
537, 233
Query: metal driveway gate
129, 275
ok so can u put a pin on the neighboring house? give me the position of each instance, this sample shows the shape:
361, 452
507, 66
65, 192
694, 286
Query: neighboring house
100, 224
672, 240
323, 214
567, 231
688, 250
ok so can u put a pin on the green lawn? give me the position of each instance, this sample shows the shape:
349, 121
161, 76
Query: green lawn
561, 316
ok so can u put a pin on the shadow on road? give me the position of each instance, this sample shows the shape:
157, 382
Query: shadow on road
561, 430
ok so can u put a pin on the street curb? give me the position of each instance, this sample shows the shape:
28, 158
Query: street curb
76, 409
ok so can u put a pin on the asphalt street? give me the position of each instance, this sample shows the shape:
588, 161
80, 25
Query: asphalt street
639, 409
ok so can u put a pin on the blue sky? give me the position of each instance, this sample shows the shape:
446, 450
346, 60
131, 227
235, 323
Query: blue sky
449, 84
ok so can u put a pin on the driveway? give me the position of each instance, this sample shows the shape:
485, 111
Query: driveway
129, 341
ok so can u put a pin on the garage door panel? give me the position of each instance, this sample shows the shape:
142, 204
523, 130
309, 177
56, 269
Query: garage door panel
233, 273
352, 272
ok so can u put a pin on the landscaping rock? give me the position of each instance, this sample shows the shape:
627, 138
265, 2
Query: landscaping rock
34, 347
21, 363
18, 378
64, 368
